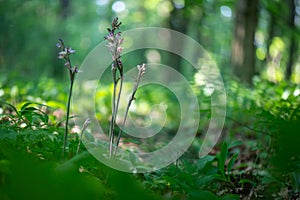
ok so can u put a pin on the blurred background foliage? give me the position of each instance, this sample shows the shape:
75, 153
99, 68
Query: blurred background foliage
29, 31
30, 70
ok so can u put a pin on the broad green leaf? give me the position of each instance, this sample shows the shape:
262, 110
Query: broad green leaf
40, 180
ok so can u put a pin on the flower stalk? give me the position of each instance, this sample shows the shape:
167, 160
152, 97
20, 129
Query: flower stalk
141, 72
64, 54
84, 127
115, 41
114, 45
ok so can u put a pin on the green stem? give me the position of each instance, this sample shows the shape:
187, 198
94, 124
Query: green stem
118, 100
68, 113
126, 112
122, 126
115, 104
112, 122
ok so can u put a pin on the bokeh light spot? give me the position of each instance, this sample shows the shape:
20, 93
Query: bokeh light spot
118, 6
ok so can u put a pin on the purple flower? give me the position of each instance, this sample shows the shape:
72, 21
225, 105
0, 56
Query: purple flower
62, 55
115, 40
69, 50
58, 45
114, 45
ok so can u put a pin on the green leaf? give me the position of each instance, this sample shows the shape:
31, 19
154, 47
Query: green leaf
8, 134
201, 163
202, 181
11, 106
243, 181
235, 144
203, 195
41, 180
222, 158
230, 197
231, 162
25, 105
220, 177
34, 115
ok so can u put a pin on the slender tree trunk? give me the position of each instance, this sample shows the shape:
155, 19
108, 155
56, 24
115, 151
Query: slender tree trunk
64, 8
178, 22
243, 49
292, 48
271, 35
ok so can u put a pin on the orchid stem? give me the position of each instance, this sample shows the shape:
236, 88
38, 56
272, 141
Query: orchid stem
68, 113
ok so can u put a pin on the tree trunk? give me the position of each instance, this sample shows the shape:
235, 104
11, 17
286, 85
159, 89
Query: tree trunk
178, 22
292, 49
64, 6
58, 69
243, 49
271, 35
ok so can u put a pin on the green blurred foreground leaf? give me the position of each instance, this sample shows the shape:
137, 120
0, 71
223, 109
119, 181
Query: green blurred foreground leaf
22, 177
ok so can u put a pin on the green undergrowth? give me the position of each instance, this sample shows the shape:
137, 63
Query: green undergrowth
257, 155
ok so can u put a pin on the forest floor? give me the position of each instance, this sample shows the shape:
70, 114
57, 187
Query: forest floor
257, 156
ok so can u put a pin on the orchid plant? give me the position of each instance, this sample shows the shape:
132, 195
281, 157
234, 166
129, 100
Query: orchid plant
64, 54
115, 41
